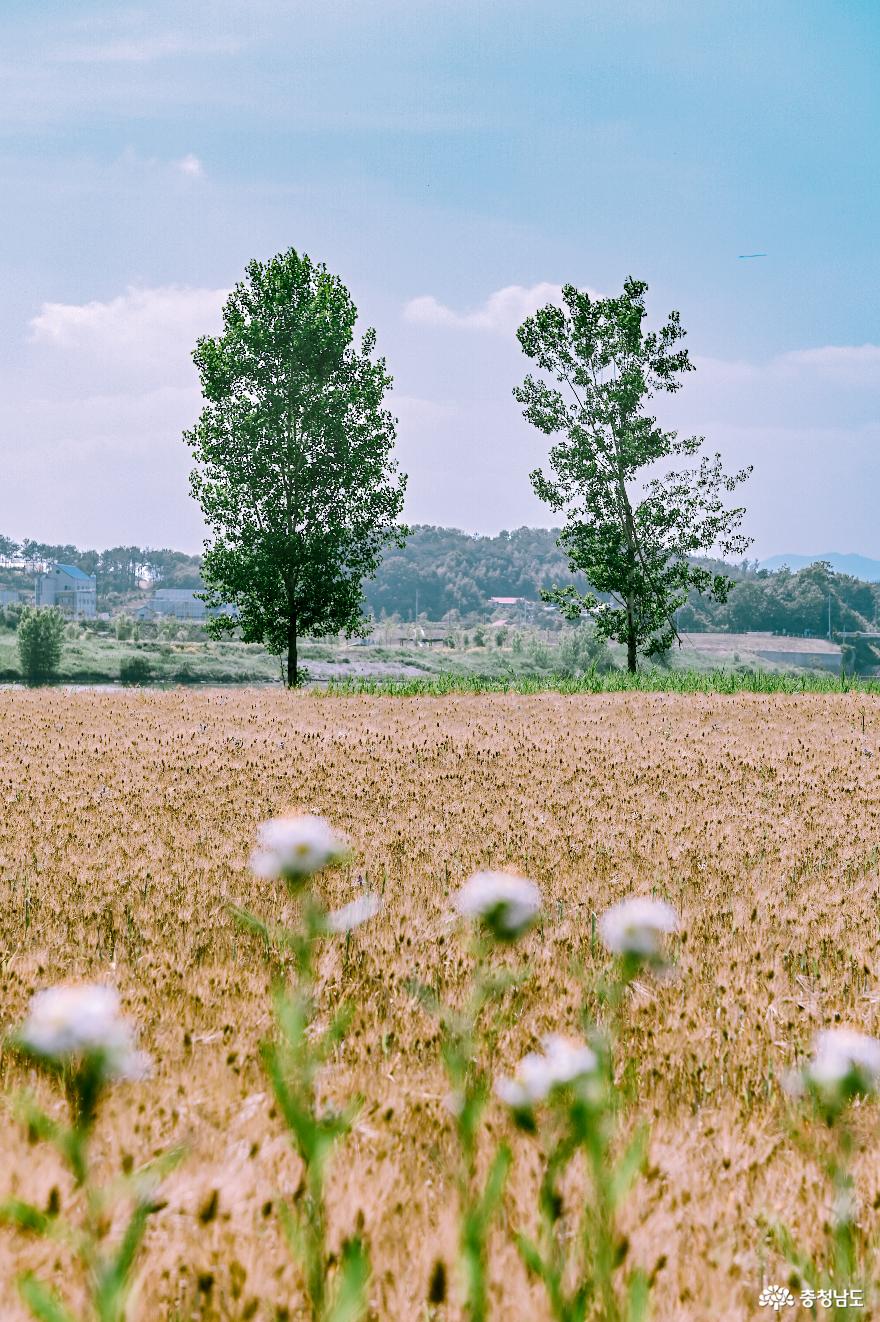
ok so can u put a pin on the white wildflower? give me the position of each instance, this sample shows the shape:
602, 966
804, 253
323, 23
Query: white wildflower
70, 1024
505, 903
844, 1064
352, 915
561, 1063
296, 847
637, 926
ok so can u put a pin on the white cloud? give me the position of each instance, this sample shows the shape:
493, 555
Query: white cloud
502, 311
142, 336
191, 166
846, 363
142, 49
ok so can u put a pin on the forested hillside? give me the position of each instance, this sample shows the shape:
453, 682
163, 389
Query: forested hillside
443, 569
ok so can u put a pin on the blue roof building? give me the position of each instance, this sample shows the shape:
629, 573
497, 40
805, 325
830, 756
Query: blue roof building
70, 589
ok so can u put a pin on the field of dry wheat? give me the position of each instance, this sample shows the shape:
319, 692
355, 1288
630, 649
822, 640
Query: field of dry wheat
126, 821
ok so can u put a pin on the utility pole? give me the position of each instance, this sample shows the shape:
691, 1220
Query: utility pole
829, 616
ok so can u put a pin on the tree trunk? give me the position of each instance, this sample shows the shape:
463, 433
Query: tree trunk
630, 640
292, 672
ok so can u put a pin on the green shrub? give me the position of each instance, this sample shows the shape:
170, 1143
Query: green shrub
135, 670
40, 640
580, 651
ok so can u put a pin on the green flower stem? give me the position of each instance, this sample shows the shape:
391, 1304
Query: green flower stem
293, 1061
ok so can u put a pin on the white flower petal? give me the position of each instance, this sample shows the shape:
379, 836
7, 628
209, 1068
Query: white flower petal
352, 915
69, 1023
637, 925
509, 902
296, 847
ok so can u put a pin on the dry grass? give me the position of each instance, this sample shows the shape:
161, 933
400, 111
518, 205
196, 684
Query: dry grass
125, 823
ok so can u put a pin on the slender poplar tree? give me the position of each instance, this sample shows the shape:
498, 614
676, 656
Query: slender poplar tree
293, 448
632, 534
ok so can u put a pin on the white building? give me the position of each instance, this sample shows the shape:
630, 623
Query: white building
70, 589
180, 604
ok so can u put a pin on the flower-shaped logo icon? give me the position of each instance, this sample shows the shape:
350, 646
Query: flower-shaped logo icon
776, 1297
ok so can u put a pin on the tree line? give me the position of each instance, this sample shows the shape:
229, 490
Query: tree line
119, 569
814, 601
441, 570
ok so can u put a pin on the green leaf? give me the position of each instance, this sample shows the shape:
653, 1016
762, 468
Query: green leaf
350, 1292
531, 1257
630, 1164
25, 1216
250, 922
495, 1183
293, 1233
44, 1303
783, 1240
638, 1297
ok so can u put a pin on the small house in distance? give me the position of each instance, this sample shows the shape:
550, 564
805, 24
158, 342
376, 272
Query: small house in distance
180, 604
68, 587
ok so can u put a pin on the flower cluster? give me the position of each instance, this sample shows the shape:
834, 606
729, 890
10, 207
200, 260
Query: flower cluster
293, 848
561, 1064
635, 928
79, 1025
505, 904
844, 1064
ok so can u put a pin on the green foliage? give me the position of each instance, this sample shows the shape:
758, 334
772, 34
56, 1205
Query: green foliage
787, 603
539, 654
124, 628
135, 670
635, 553
40, 641
293, 451
452, 570
615, 681
478, 1197
109, 1266
581, 652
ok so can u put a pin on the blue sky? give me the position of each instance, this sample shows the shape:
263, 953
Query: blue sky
455, 162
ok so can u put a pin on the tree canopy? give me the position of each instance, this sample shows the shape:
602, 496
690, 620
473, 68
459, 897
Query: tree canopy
294, 471
631, 534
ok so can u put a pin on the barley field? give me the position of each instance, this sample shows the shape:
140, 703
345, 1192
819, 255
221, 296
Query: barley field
126, 822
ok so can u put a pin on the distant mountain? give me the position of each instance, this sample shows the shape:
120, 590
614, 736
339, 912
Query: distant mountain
859, 566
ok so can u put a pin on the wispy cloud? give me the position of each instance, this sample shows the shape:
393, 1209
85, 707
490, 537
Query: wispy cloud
858, 363
142, 49
501, 313
191, 166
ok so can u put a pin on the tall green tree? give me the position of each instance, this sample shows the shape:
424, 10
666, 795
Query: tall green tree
293, 447
40, 639
631, 534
